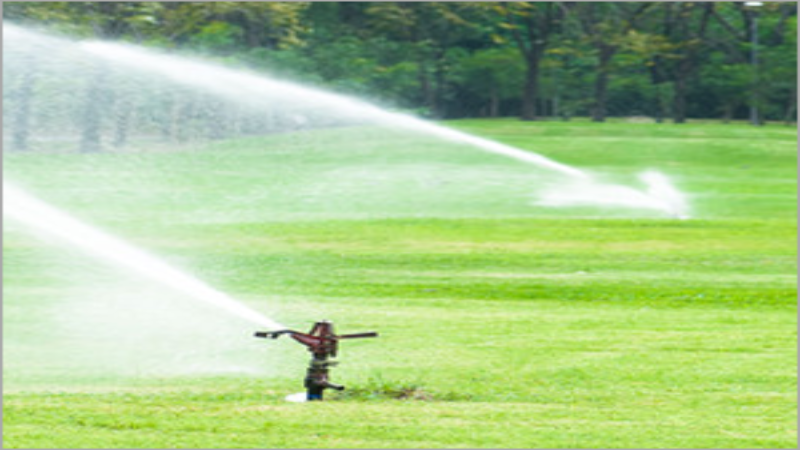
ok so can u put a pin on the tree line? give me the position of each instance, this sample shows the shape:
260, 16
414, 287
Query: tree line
535, 60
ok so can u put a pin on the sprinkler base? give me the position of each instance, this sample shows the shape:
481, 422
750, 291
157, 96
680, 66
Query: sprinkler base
300, 397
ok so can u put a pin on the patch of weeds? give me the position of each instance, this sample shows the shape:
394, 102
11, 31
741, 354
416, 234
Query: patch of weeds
377, 388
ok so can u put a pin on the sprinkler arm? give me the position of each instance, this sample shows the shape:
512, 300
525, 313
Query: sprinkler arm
368, 334
320, 340
274, 334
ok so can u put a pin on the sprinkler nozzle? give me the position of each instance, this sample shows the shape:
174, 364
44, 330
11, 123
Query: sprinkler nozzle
323, 343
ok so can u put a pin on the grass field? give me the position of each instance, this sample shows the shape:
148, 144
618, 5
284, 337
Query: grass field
502, 324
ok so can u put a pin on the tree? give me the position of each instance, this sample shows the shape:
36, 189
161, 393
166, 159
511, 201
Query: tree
675, 45
687, 26
532, 27
92, 111
452, 59
226, 26
490, 76
736, 35
21, 94
604, 26
430, 29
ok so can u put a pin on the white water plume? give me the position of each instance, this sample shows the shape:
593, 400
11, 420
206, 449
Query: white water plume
659, 195
580, 188
288, 105
41, 217
239, 84
662, 190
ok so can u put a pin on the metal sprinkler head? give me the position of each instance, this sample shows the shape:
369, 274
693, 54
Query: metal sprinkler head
323, 344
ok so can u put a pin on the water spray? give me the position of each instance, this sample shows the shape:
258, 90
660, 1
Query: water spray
659, 194
323, 344
254, 90
52, 222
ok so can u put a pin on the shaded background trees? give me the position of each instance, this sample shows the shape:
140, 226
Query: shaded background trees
535, 60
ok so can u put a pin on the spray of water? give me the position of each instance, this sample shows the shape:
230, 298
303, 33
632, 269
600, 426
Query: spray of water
663, 191
658, 194
262, 94
239, 84
39, 216
581, 187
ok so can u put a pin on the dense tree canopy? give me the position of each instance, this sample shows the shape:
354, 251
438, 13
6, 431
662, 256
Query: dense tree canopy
452, 59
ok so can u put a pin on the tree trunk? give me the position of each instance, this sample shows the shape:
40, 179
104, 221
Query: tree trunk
687, 66
428, 98
556, 106
438, 109
599, 109
679, 100
183, 116
91, 117
791, 108
727, 113
530, 91
119, 105
21, 115
661, 110
122, 116
494, 102
217, 120
176, 115
681, 86
163, 119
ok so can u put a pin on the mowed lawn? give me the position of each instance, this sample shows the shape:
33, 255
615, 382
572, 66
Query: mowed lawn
502, 324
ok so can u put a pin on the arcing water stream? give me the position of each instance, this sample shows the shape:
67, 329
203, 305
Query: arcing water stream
43, 218
659, 195
264, 95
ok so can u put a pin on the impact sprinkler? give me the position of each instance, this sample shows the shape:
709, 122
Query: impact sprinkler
323, 343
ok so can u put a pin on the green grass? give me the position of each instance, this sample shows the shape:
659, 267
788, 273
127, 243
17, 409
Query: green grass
502, 324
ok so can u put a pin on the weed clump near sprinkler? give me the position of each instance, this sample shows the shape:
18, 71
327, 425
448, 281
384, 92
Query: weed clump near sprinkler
323, 344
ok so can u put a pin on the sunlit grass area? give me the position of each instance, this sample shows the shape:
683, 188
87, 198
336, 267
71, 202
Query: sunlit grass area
503, 324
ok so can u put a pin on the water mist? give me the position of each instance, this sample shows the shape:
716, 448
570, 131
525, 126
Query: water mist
43, 218
659, 194
110, 324
159, 104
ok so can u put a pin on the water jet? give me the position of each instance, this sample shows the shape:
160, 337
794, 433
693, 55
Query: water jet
52, 222
213, 90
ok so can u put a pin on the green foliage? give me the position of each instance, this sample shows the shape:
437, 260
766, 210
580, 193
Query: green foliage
456, 59
492, 70
216, 37
211, 26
